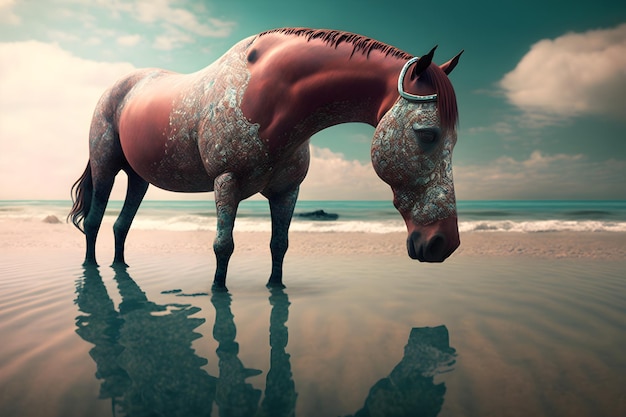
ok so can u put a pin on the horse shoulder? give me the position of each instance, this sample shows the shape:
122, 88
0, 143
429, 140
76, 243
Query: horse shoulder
276, 71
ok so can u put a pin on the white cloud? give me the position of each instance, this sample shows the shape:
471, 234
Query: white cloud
161, 10
166, 24
61, 36
48, 96
501, 128
541, 176
171, 39
171, 18
7, 15
574, 74
332, 177
129, 40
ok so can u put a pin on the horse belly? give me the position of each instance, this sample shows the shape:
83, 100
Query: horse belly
163, 155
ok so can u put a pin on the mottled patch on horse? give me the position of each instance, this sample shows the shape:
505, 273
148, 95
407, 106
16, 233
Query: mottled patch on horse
422, 183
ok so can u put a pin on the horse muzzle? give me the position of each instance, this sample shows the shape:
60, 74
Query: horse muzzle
433, 242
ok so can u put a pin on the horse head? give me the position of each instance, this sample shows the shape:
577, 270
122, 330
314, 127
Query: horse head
412, 152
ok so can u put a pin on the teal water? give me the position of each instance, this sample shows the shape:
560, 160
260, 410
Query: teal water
350, 336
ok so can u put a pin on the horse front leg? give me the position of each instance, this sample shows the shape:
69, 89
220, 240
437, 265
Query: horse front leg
226, 202
281, 207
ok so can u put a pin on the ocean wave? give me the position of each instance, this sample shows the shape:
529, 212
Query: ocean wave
188, 223
362, 217
363, 226
264, 225
536, 226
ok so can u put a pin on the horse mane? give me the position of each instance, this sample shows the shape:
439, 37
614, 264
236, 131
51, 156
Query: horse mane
433, 75
335, 37
446, 98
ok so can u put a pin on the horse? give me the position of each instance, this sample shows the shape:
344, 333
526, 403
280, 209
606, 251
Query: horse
242, 126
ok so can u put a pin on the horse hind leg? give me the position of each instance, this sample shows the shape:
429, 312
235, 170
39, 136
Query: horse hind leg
91, 224
106, 159
135, 192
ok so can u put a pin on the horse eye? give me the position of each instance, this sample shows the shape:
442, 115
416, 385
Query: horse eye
427, 136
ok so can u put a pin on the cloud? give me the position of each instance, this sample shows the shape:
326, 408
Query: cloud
574, 74
129, 40
332, 177
172, 39
501, 128
541, 176
166, 24
48, 97
162, 11
7, 15
174, 21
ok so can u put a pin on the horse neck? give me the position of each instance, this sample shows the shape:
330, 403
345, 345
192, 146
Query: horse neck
349, 90
310, 91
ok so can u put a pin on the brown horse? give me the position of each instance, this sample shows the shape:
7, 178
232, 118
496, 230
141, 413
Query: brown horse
242, 126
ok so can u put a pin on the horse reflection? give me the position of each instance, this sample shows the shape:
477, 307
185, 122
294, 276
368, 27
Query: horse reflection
144, 357
410, 390
147, 366
235, 397
280, 391
143, 351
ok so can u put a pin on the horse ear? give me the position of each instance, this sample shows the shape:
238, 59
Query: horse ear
423, 63
449, 66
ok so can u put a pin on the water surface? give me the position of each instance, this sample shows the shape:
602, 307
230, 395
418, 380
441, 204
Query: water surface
350, 336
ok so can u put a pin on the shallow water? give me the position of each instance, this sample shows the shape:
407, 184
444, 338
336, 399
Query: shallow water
354, 336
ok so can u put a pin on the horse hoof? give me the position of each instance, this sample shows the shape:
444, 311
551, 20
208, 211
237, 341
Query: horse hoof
275, 285
90, 264
119, 265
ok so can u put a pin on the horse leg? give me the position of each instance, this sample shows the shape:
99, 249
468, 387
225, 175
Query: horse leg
281, 208
135, 192
226, 202
93, 220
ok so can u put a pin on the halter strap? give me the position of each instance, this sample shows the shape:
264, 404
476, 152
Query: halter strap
409, 96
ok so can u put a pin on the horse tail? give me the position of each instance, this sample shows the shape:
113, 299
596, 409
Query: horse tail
81, 199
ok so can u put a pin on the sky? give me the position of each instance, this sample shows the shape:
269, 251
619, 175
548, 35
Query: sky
541, 87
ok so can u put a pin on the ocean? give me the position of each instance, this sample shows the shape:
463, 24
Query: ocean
352, 216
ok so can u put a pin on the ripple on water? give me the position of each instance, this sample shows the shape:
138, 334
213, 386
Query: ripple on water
540, 337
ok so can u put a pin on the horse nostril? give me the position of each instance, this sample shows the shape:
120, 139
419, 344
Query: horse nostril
436, 248
411, 243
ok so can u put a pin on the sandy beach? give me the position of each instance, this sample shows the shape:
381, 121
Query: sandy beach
550, 245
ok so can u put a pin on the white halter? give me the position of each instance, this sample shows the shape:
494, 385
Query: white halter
409, 96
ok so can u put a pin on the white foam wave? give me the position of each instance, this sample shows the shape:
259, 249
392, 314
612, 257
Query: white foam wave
172, 224
535, 226
192, 222
350, 226
264, 225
